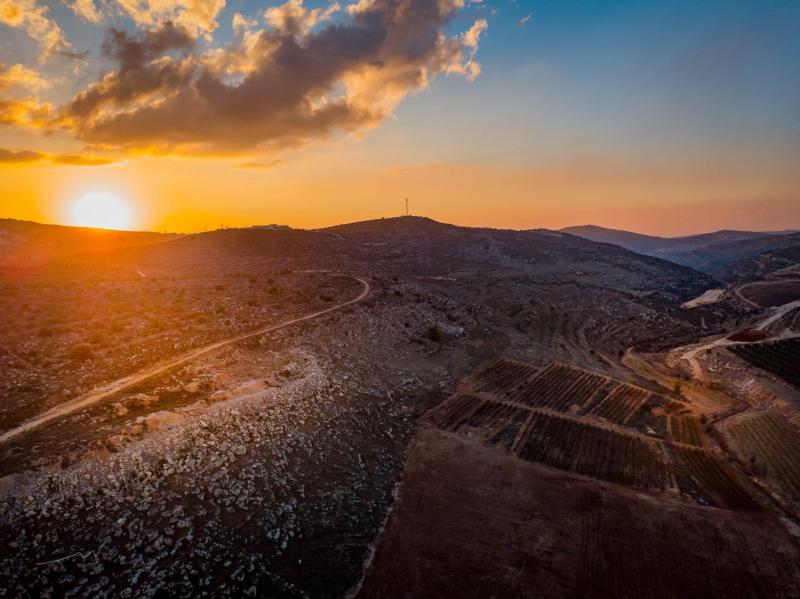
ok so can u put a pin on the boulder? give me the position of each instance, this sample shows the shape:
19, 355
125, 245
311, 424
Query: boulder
159, 420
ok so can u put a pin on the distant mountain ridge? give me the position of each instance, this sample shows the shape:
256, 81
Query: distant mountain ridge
779, 263
712, 253
26, 244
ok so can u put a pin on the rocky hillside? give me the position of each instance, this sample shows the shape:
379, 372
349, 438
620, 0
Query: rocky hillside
421, 246
784, 262
712, 253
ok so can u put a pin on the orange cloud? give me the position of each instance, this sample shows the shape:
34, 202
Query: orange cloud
27, 113
10, 156
295, 17
196, 16
261, 166
86, 9
81, 160
32, 17
21, 76
30, 157
283, 86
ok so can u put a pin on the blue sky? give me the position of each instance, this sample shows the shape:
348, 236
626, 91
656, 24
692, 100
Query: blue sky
628, 76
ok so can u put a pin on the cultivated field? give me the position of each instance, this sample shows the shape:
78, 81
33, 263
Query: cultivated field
615, 431
619, 405
771, 447
501, 377
590, 450
688, 429
556, 387
778, 357
714, 477
561, 388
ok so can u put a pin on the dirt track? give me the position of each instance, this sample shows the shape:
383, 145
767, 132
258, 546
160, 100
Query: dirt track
690, 355
101, 393
770, 293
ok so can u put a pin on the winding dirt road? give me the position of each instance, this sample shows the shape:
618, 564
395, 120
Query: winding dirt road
738, 293
105, 391
690, 355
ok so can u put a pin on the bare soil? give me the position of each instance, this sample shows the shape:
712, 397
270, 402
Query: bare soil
473, 521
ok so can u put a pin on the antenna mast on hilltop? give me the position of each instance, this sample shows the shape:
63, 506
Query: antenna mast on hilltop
406, 206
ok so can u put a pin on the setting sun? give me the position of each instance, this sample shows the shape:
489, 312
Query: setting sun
102, 211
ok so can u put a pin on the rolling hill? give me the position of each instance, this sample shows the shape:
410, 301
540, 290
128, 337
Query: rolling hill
26, 245
416, 245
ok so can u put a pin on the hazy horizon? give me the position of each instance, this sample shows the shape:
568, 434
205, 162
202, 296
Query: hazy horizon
224, 226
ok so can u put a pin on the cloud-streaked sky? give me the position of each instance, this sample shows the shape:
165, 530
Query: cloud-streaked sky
662, 116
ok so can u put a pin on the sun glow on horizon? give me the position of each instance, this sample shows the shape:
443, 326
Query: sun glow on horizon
101, 210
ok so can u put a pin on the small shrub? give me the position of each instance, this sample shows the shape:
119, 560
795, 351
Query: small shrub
81, 352
434, 333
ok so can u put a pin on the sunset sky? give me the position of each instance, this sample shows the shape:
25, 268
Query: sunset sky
665, 117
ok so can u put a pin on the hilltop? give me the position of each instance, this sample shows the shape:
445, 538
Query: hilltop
410, 245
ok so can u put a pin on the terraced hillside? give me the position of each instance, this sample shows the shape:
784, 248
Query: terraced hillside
770, 446
590, 424
557, 481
